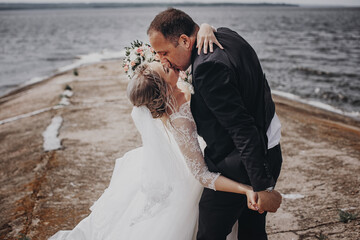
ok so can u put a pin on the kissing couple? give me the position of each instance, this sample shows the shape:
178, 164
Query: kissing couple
171, 189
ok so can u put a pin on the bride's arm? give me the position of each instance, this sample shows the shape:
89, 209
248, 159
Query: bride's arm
185, 134
227, 185
206, 38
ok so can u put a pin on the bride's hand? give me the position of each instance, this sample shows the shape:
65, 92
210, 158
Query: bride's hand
252, 199
206, 38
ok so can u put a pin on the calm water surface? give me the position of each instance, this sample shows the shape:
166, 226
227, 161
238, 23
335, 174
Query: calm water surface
310, 52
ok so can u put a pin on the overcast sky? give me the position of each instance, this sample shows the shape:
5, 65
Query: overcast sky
301, 2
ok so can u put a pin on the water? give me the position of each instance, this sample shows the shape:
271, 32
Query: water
313, 53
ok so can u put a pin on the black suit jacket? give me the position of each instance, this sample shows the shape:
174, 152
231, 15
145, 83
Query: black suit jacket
232, 108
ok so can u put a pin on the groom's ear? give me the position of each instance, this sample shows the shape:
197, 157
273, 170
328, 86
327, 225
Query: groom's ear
184, 41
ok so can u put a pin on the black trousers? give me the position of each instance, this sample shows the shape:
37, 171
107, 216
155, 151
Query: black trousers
218, 211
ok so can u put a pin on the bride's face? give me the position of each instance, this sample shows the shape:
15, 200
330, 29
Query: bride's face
168, 74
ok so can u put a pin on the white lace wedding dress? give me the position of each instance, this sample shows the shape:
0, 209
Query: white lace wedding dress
155, 189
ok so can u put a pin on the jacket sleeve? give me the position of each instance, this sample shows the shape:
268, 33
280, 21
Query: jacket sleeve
215, 83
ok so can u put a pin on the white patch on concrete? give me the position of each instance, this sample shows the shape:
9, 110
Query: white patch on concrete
35, 221
28, 114
65, 97
67, 93
348, 208
292, 196
64, 101
51, 140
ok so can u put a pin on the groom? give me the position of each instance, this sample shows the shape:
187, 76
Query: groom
235, 114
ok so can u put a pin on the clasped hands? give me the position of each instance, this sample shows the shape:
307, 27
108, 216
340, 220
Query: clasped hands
264, 201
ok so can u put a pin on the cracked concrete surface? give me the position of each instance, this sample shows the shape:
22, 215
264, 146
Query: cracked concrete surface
43, 192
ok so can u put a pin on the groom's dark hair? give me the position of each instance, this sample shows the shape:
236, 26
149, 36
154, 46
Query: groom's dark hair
172, 23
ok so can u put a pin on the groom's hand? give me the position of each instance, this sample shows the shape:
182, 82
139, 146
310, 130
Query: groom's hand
269, 201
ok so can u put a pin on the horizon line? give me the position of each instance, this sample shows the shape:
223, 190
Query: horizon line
181, 2
4, 6
177, 3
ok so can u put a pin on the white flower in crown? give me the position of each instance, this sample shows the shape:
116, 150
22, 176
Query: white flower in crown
137, 54
186, 76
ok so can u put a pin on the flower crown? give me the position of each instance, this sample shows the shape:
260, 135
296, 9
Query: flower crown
139, 53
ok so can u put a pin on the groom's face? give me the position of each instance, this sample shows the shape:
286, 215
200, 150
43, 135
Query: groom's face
176, 57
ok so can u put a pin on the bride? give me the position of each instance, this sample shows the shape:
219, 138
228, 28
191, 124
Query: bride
155, 189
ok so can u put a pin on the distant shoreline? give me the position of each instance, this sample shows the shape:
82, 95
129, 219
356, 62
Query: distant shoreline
32, 6
49, 6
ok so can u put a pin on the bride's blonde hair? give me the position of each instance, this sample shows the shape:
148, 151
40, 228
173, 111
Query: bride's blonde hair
148, 88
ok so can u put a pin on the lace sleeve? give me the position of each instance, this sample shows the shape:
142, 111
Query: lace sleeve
183, 128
